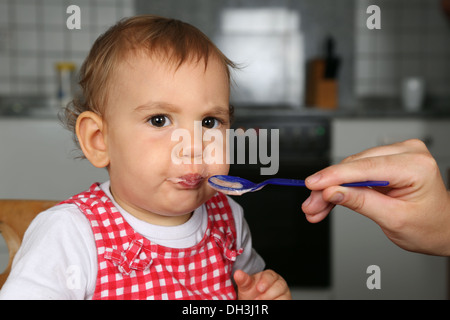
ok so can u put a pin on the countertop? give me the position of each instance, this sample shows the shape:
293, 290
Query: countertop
395, 113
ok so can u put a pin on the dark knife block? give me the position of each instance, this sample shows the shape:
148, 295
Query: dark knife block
321, 92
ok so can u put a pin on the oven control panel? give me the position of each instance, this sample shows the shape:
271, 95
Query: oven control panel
301, 139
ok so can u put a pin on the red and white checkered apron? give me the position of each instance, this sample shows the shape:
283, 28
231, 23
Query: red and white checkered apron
132, 267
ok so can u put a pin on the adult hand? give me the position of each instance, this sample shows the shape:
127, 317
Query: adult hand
413, 211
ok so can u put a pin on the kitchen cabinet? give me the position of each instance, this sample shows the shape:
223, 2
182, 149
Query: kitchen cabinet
38, 161
358, 243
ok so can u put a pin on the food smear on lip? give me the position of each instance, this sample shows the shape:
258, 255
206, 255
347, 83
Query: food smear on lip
174, 180
188, 180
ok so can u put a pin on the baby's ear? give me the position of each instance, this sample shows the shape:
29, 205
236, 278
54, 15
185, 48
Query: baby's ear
91, 134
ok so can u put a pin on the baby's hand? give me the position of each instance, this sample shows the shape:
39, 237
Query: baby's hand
265, 285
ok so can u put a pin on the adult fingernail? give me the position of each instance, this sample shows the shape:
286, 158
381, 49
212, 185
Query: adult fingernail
337, 198
314, 178
307, 202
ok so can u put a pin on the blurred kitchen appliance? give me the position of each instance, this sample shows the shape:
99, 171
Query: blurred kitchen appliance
268, 46
293, 247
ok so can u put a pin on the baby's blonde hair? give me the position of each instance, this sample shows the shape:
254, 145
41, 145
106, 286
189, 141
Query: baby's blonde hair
174, 40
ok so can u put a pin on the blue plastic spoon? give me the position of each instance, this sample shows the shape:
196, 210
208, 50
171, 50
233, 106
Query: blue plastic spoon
237, 186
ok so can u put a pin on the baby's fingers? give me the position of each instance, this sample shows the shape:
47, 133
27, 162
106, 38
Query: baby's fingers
243, 281
272, 286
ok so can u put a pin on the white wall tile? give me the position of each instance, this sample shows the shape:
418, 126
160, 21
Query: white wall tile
5, 86
410, 44
385, 68
365, 43
5, 66
34, 35
413, 41
436, 69
80, 40
4, 13
437, 44
365, 87
410, 67
27, 40
365, 68
386, 88
26, 13
26, 86
53, 40
386, 44
106, 15
54, 14
26, 67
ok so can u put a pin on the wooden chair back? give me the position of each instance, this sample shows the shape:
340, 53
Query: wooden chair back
15, 217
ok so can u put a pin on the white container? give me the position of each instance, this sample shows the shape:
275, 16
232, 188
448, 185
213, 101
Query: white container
413, 93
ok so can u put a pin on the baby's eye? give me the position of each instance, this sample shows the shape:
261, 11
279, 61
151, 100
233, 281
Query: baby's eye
210, 122
159, 121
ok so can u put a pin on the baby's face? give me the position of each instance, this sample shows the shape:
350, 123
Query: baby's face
154, 109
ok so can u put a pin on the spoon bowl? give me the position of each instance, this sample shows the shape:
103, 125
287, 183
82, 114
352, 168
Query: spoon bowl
236, 185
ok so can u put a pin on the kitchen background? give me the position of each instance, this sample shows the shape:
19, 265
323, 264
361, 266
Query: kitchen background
283, 46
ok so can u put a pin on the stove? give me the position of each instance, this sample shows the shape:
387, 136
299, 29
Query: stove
296, 249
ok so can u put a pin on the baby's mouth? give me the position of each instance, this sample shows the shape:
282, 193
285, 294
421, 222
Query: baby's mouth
190, 180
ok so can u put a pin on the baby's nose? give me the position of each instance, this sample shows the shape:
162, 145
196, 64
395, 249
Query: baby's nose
194, 151
189, 150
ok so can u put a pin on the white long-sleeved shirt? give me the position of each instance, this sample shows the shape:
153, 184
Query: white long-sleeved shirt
58, 256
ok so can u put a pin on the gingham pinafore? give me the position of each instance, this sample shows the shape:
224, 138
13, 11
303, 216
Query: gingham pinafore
132, 267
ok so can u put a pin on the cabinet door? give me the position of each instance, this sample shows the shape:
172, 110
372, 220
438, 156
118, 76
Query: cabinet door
350, 136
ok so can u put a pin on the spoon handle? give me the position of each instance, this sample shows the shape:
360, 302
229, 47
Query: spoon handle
301, 183
285, 182
367, 184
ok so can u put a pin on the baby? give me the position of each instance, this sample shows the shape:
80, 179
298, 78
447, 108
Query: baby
155, 230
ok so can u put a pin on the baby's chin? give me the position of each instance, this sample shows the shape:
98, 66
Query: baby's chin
181, 209
187, 206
